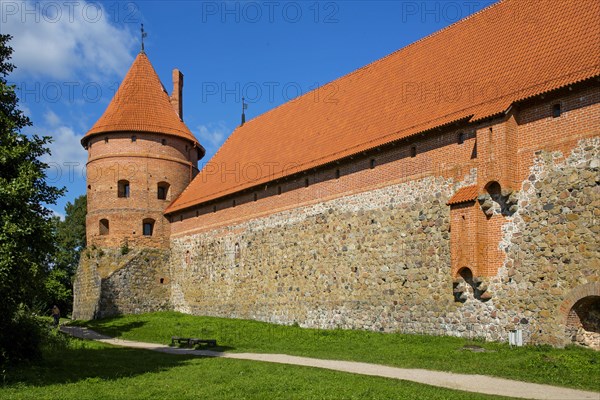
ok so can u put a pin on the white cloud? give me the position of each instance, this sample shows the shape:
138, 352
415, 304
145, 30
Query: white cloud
61, 40
26, 110
68, 157
212, 135
51, 118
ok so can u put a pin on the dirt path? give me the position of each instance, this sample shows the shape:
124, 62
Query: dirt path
467, 383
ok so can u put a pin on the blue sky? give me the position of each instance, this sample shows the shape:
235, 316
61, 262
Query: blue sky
72, 55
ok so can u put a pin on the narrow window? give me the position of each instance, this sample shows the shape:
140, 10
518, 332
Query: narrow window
278, 189
372, 163
163, 142
306, 182
413, 151
148, 226
104, 227
123, 190
133, 138
461, 138
237, 254
255, 196
233, 202
556, 110
162, 280
337, 174
106, 139
214, 209
162, 190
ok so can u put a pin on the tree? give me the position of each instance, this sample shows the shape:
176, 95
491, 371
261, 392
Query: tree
70, 241
26, 233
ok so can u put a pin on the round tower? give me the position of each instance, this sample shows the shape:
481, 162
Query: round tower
141, 156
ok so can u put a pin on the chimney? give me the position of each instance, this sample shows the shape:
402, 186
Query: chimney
177, 95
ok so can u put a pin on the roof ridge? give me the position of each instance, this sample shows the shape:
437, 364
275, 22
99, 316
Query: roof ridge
364, 67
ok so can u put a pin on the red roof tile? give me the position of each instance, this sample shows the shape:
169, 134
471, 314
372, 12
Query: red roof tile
467, 193
473, 69
141, 104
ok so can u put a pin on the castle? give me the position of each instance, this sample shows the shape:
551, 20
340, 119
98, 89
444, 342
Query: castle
450, 188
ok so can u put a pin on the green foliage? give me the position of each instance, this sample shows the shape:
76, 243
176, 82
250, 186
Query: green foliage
574, 366
23, 336
91, 370
124, 248
70, 235
26, 230
58, 290
70, 242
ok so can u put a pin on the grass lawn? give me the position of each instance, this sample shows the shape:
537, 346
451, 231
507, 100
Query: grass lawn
571, 367
91, 370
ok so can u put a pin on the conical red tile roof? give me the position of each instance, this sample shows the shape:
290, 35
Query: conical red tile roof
142, 105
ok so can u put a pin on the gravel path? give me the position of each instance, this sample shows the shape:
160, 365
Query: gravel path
468, 383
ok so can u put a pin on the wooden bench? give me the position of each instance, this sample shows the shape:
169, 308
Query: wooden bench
189, 342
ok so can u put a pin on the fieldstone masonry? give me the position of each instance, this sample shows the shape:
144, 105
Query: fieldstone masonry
552, 243
380, 260
109, 282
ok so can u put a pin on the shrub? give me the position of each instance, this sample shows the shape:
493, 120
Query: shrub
124, 249
21, 340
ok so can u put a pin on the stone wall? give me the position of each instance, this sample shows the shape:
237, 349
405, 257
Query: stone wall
380, 260
552, 243
109, 282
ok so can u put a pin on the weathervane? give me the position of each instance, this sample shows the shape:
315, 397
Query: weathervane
244, 107
144, 34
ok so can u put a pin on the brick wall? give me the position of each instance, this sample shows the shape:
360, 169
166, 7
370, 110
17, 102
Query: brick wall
146, 162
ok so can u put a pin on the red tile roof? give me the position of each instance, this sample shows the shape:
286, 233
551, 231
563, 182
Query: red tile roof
467, 193
141, 104
471, 70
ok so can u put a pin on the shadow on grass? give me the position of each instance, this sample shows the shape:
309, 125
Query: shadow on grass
92, 361
217, 349
114, 330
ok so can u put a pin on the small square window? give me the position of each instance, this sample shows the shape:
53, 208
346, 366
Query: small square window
123, 189
148, 227
556, 111
133, 138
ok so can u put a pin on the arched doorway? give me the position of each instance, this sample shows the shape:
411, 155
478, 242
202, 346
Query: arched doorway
583, 322
582, 315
